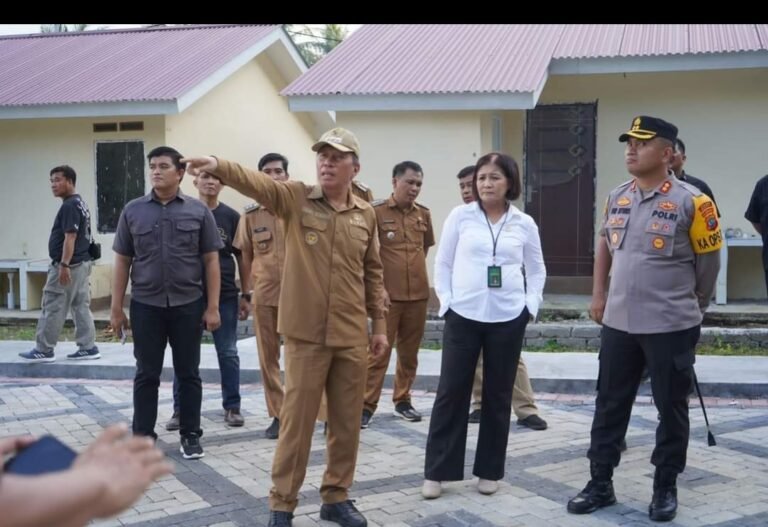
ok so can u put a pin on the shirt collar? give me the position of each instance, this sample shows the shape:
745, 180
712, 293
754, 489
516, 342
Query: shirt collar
151, 196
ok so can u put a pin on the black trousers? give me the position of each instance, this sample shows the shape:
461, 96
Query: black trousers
153, 328
501, 343
670, 358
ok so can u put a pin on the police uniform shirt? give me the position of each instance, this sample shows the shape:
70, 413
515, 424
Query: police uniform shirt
404, 235
665, 247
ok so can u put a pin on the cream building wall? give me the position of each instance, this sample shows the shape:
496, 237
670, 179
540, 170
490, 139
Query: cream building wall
441, 142
722, 117
723, 120
242, 119
29, 148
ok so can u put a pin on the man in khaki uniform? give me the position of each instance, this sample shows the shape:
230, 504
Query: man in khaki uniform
362, 191
405, 234
261, 238
333, 277
523, 402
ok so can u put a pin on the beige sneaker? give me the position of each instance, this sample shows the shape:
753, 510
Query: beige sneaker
487, 486
431, 489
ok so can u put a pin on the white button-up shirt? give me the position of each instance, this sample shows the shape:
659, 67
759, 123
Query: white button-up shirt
466, 251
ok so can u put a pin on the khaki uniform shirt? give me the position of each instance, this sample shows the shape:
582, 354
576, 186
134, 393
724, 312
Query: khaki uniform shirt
665, 246
405, 236
333, 271
262, 235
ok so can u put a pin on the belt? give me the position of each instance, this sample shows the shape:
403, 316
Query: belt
57, 262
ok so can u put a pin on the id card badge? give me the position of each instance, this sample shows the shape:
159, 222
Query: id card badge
494, 276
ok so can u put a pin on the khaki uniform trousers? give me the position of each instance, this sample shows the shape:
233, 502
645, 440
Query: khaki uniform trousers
405, 329
268, 342
523, 403
311, 368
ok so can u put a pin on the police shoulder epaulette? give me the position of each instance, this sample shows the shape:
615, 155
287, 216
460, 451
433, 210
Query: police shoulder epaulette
253, 206
690, 188
377, 202
422, 205
361, 185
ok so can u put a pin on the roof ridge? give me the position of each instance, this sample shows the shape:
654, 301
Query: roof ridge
113, 31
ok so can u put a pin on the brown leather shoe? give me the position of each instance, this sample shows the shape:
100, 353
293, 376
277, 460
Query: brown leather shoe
233, 418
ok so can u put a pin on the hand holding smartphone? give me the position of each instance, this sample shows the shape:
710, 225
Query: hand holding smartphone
47, 454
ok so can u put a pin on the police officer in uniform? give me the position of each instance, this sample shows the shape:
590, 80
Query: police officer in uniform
405, 234
661, 239
333, 281
261, 239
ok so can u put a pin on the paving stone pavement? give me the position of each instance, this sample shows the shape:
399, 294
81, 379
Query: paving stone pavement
726, 485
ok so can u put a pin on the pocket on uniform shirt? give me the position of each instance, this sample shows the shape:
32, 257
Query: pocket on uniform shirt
309, 221
359, 233
262, 241
187, 234
144, 239
659, 237
389, 233
615, 237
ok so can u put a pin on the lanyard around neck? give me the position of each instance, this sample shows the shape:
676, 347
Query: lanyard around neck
496, 237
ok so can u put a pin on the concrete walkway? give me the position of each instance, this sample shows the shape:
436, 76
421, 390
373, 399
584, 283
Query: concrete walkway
550, 372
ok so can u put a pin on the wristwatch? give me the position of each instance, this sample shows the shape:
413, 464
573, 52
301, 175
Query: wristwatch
247, 296
65, 264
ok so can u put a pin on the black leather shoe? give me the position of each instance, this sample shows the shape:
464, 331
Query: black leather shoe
663, 507
534, 422
344, 513
474, 417
597, 494
273, 431
280, 519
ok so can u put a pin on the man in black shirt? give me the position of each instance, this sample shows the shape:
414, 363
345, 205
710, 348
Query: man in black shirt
757, 214
67, 284
224, 338
678, 160
168, 244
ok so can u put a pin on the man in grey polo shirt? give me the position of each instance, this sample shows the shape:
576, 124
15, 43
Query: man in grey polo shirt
166, 239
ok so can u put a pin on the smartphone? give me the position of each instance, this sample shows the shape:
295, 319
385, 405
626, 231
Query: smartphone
47, 454
123, 336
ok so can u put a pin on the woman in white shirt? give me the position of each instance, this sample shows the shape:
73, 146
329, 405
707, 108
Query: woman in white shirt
487, 303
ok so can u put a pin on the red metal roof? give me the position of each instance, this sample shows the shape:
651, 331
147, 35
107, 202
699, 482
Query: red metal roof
455, 58
157, 64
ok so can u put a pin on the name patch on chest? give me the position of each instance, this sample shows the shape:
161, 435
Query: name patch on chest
671, 216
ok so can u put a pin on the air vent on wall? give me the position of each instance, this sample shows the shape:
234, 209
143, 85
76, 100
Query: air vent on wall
105, 127
132, 126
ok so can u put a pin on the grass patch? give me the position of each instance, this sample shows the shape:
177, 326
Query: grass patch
27, 332
715, 348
